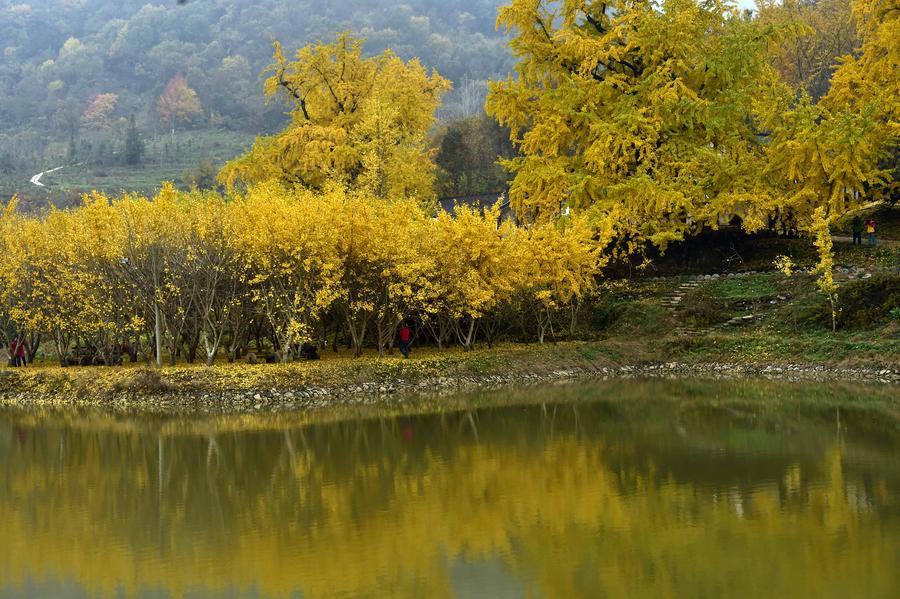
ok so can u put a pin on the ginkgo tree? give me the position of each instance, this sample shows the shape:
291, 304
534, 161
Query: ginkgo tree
474, 268
558, 262
292, 276
355, 120
636, 113
180, 272
826, 158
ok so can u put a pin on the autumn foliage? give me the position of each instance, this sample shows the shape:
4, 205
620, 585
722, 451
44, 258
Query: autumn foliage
290, 266
178, 103
636, 125
359, 121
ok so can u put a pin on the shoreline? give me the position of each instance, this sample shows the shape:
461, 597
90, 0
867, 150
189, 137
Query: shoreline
300, 388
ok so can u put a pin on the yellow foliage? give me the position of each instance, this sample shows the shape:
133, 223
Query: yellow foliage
356, 121
824, 158
197, 269
632, 113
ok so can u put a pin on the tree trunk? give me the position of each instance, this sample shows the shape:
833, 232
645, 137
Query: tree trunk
358, 335
831, 299
192, 342
158, 334
574, 319
386, 331
61, 342
444, 332
32, 345
466, 337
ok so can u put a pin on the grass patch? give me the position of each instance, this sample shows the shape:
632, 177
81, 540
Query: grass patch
748, 288
705, 307
883, 256
772, 347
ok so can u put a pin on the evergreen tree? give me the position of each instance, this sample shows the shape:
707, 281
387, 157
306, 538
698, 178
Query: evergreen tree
72, 152
134, 145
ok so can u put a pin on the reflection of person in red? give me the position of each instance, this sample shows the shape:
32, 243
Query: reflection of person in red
405, 339
407, 434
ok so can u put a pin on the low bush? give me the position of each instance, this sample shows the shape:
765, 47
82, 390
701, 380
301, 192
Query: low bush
862, 305
869, 303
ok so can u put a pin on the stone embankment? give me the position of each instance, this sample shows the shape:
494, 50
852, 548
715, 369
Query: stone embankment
315, 397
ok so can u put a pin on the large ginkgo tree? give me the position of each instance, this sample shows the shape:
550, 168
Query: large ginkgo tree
358, 121
636, 112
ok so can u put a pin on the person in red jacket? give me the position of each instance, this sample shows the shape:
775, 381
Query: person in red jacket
405, 339
21, 355
17, 352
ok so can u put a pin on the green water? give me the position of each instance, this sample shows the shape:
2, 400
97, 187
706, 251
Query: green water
630, 489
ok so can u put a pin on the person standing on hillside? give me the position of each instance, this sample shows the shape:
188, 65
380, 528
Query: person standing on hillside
857, 230
405, 339
871, 231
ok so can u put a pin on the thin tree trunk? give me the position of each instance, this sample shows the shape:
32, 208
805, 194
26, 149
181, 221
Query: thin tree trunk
466, 338
34, 342
572, 322
62, 345
358, 335
158, 334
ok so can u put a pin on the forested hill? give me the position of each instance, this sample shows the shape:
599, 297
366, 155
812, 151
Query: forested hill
60, 55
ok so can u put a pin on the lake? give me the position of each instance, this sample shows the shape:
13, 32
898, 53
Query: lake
618, 489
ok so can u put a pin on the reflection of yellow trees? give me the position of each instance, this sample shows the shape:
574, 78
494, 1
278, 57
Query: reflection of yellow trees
352, 510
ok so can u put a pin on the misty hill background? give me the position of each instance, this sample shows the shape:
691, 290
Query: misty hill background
58, 55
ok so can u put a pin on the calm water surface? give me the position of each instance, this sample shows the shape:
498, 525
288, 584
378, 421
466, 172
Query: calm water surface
640, 489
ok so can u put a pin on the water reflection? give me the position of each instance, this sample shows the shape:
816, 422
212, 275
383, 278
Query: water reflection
621, 490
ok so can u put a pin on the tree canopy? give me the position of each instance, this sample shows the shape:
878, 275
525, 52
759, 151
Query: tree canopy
636, 114
359, 121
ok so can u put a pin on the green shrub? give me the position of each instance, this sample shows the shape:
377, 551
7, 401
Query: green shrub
746, 288
865, 304
869, 303
604, 312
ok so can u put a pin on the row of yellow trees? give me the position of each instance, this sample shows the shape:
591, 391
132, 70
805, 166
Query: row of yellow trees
205, 271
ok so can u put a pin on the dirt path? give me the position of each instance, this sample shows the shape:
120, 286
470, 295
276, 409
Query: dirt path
37, 178
842, 239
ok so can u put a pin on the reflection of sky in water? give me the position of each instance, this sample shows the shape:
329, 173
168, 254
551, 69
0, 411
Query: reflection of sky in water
670, 489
